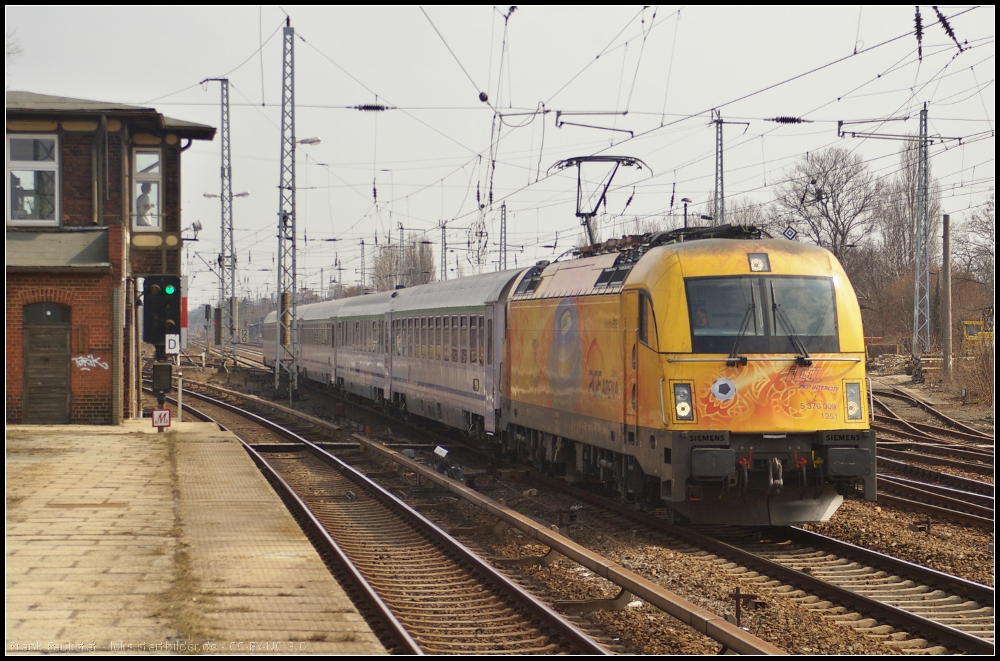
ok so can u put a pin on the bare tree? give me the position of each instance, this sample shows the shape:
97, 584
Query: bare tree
414, 267
834, 196
975, 246
418, 263
896, 219
12, 49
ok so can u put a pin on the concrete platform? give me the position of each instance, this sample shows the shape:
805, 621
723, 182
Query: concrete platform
121, 539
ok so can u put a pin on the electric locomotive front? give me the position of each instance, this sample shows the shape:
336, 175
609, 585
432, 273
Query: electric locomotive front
723, 377
762, 380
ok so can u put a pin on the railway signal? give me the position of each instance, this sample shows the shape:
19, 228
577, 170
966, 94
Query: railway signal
161, 308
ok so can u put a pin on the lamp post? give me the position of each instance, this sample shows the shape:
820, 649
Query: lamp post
686, 200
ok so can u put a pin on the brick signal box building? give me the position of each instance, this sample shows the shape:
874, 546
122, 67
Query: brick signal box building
93, 204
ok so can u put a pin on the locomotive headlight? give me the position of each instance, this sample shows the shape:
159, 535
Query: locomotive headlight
683, 408
853, 393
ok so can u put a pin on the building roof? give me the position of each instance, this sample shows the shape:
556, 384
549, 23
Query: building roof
82, 248
22, 104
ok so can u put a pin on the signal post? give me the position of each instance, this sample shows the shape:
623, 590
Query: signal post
162, 311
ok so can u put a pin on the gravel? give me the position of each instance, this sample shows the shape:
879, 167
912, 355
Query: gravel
703, 579
952, 548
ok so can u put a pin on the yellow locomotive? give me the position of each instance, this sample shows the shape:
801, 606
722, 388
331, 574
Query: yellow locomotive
715, 370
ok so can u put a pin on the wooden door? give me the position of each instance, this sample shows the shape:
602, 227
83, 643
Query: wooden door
47, 374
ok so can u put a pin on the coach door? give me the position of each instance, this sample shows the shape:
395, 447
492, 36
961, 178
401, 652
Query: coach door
489, 384
631, 371
387, 350
47, 356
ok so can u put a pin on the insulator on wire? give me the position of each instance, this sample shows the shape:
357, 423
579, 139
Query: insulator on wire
919, 24
788, 120
371, 107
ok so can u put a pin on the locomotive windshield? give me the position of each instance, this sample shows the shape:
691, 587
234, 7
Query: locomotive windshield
749, 309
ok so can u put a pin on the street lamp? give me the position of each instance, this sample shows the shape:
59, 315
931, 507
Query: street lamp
315, 140
194, 227
243, 194
686, 200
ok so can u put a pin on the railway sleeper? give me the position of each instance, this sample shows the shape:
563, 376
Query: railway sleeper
912, 644
951, 605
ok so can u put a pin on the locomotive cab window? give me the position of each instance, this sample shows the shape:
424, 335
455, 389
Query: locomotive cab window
762, 314
647, 322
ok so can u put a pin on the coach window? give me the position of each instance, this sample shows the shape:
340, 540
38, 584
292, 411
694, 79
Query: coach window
447, 338
464, 338
454, 339
423, 337
33, 180
473, 345
437, 338
147, 214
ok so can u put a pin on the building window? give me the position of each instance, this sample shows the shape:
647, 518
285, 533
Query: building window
147, 198
33, 178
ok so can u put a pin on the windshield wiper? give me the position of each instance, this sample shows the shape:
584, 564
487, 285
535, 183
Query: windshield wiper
734, 356
803, 358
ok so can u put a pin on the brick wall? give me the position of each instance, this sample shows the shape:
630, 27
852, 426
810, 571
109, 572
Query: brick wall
90, 298
77, 179
84, 157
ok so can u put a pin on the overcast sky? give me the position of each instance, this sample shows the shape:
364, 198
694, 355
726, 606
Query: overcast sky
431, 155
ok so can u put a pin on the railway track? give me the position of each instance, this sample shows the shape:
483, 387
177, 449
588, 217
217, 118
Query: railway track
447, 600
911, 608
884, 592
953, 429
702, 621
955, 504
935, 455
885, 620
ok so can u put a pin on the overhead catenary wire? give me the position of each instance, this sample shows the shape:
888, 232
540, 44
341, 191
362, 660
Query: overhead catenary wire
501, 162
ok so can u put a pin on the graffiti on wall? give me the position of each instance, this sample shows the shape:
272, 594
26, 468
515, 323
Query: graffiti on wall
89, 362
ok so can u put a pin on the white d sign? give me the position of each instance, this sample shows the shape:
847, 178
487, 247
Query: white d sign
173, 343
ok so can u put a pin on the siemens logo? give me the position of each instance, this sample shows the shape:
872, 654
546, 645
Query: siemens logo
710, 437
843, 438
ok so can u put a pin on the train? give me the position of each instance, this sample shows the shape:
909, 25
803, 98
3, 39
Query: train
715, 374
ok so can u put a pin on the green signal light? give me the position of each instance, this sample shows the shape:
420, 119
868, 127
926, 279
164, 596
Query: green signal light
169, 289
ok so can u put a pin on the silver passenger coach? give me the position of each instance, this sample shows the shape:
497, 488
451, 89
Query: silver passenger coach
432, 350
